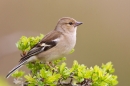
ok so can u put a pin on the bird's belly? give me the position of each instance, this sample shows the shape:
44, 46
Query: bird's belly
55, 53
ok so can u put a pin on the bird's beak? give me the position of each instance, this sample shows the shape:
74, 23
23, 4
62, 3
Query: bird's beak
78, 23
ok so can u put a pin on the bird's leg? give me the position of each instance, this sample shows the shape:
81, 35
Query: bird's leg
48, 63
52, 67
51, 64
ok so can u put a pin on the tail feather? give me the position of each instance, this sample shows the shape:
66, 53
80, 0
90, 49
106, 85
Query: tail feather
15, 68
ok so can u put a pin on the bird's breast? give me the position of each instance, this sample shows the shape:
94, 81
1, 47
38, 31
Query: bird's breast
69, 43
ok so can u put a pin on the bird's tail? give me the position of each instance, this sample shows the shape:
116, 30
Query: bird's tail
15, 68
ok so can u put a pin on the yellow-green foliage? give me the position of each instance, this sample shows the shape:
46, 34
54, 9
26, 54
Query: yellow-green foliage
25, 44
42, 74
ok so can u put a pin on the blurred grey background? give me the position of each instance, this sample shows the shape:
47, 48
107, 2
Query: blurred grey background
104, 36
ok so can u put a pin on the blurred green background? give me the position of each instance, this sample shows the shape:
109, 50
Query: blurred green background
104, 36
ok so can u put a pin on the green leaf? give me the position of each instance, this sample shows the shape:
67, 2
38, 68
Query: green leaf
62, 67
52, 79
75, 66
72, 51
40, 83
44, 73
25, 44
108, 67
30, 79
18, 74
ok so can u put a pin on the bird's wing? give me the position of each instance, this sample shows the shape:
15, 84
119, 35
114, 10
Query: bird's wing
49, 41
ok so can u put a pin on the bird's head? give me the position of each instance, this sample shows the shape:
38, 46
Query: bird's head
67, 24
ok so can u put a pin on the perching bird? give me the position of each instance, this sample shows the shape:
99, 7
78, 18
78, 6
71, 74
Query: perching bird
57, 43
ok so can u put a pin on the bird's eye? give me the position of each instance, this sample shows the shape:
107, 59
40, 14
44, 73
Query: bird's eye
70, 23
